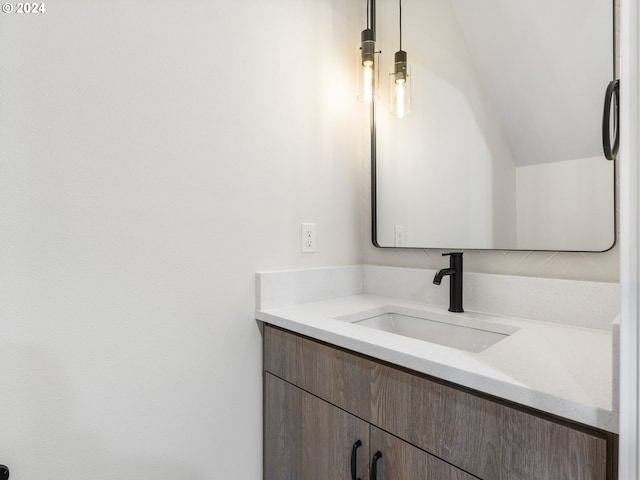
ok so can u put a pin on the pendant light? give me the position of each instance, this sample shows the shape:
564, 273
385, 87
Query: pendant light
400, 79
367, 64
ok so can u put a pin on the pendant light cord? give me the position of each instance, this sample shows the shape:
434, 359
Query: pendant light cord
371, 14
368, 14
400, 2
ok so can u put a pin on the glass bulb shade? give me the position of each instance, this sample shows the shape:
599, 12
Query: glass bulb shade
400, 90
367, 69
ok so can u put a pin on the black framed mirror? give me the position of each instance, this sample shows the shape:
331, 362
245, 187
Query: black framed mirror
503, 145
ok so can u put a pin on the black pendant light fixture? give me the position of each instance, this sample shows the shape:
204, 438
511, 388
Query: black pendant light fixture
367, 64
400, 79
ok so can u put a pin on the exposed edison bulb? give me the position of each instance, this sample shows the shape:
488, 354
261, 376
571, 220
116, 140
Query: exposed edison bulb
400, 99
400, 86
367, 82
367, 68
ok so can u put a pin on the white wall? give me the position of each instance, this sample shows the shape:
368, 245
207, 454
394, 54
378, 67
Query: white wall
154, 156
578, 186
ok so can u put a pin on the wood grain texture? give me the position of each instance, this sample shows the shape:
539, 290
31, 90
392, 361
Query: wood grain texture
460, 428
307, 438
334, 375
533, 448
402, 461
485, 438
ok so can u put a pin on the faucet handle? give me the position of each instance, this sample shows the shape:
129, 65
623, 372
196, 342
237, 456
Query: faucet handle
453, 254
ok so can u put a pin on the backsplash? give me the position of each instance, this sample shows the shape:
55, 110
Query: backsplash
568, 302
600, 267
291, 287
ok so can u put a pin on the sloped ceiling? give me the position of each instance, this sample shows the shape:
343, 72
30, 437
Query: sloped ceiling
544, 65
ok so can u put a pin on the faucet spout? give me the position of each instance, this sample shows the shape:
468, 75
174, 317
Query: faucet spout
455, 283
441, 273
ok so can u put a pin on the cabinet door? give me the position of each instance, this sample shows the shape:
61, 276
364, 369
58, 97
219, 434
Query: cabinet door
309, 439
402, 461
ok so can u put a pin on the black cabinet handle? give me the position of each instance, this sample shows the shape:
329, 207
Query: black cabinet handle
611, 101
354, 459
4, 472
374, 465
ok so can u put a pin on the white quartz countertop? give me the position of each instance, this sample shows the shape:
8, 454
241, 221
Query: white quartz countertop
559, 369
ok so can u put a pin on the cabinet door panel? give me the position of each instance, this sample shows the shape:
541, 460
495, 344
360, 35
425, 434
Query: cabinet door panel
533, 448
307, 438
334, 375
459, 428
402, 461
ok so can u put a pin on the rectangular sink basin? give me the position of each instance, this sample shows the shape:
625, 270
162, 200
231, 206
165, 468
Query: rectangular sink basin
451, 330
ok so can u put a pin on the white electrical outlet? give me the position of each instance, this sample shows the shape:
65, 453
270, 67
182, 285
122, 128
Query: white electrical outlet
398, 239
309, 238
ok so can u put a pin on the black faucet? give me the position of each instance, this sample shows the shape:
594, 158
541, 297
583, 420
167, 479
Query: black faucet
455, 283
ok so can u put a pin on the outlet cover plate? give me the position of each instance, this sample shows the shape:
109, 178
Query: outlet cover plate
309, 238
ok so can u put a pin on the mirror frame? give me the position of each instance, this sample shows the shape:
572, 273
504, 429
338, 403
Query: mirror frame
373, 156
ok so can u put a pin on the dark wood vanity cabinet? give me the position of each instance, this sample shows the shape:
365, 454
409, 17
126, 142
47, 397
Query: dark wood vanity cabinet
320, 400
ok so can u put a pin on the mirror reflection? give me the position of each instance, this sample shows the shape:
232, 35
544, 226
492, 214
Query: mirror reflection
502, 148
